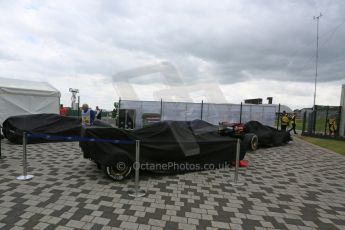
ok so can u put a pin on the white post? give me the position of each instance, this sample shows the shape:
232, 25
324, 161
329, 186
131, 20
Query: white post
137, 192
25, 170
236, 181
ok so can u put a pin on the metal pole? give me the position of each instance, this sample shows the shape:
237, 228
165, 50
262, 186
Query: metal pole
241, 113
126, 114
78, 107
185, 113
326, 122
137, 192
236, 181
317, 54
118, 113
1, 157
24, 176
161, 109
278, 116
314, 118
202, 109
338, 120
304, 121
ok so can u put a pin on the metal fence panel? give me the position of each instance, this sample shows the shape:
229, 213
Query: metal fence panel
174, 111
193, 111
235, 113
212, 113
320, 123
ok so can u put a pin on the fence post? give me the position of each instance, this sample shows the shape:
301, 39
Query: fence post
304, 121
202, 109
25, 170
137, 192
337, 132
241, 113
278, 120
161, 109
118, 113
326, 120
78, 107
314, 120
126, 119
185, 112
236, 182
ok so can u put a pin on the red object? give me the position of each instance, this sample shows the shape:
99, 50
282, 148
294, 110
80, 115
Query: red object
241, 163
63, 111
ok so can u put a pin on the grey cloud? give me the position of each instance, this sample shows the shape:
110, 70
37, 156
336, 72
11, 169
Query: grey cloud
227, 41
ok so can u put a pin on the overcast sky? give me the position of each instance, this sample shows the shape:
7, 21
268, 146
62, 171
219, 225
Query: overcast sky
242, 48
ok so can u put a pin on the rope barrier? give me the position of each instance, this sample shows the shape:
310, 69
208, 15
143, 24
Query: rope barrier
136, 192
76, 138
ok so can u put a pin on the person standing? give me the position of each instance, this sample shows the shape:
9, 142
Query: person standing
63, 110
98, 113
293, 123
332, 125
87, 115
284, 121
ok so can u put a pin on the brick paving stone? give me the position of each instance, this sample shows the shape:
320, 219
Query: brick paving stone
297, 186
129, 225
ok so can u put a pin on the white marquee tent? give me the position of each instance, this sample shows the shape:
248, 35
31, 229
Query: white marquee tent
20, 97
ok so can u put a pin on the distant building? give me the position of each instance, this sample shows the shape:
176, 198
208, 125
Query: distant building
255, 101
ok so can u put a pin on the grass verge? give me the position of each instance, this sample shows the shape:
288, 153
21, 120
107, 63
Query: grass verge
337, 146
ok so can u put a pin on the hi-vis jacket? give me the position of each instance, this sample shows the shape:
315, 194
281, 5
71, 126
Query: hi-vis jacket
285, 120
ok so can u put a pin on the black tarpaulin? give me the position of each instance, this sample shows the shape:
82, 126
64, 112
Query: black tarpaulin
52, 124
267, 136
169, 141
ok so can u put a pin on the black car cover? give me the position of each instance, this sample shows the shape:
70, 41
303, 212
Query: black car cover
168, 141
52, 124
267, 136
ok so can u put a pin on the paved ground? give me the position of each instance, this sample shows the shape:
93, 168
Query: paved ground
298, 186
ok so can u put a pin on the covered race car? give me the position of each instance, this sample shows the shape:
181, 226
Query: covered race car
52, 124
168, 147
268, 136
239, 130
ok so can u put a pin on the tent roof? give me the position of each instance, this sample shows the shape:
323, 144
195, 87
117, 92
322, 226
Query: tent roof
25, 84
